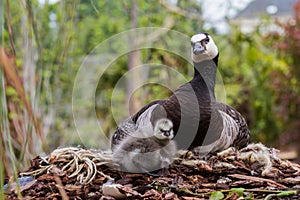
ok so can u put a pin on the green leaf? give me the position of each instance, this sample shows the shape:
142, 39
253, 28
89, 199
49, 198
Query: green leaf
216, 196
239, 191
249, 196
286, 193
281, 194
10, 91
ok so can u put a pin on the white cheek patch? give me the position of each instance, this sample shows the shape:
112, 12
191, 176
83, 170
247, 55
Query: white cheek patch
210, 52
212, 49
198, 37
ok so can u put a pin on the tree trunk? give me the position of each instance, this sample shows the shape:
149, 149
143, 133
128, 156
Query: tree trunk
134, 60
29, 75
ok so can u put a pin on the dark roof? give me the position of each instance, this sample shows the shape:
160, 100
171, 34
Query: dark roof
261, 7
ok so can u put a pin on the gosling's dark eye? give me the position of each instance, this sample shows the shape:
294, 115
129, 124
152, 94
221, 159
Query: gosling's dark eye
206, 40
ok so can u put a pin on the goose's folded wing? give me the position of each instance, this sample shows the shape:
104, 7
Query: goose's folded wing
243, 136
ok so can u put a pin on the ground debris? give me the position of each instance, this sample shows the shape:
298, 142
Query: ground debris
254, 172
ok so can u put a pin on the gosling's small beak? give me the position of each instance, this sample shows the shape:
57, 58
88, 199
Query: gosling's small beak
198, 48
167, 133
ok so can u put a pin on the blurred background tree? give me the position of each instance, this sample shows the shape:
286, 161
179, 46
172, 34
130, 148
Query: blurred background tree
47, 42
286, 84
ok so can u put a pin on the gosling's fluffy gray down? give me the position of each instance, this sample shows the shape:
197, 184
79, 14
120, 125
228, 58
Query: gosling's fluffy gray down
141, 154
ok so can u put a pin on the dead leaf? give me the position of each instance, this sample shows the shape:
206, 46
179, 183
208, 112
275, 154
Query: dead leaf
113, 191
171, 195
128, 190
13, 77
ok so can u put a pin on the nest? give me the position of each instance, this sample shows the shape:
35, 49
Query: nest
254, 172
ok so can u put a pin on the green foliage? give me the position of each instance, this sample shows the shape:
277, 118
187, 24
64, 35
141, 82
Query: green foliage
239, 191
247, 64
286, 83
56, 37
216, 195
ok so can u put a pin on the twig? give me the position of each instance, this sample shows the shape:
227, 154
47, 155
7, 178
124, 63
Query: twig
256, 179
169, 22
9, 27
33, 24
94, 6
61, 189
179, 11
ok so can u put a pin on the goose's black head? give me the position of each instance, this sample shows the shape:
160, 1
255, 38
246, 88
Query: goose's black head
203, 48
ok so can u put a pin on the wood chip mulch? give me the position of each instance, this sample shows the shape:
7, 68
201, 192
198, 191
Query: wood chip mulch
254, 172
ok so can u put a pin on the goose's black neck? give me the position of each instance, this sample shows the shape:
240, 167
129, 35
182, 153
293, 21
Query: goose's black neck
207, 70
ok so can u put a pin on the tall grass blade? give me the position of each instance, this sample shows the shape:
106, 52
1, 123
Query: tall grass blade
13, 77
2, 154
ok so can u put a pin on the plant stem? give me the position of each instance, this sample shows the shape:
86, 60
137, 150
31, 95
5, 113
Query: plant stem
226, 191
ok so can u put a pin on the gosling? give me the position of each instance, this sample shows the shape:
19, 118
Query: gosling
145, 153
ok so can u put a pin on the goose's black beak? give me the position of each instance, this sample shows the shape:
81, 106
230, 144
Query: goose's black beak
198, 48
